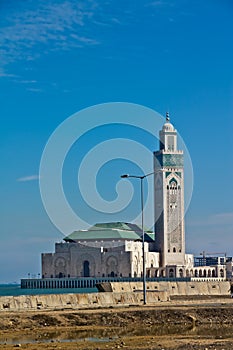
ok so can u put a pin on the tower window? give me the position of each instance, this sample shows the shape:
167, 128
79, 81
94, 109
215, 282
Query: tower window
174, 250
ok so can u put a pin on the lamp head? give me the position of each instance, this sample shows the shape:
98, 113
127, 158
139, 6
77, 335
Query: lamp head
124, 176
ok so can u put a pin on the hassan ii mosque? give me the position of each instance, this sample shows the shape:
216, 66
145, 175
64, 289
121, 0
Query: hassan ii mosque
116, 249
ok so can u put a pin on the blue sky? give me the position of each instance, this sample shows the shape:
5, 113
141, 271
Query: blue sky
58, 57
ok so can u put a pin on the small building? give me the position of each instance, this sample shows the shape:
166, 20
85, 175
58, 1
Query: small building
229, 268
208, 266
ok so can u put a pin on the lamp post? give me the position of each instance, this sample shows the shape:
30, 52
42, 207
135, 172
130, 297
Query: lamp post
126, 176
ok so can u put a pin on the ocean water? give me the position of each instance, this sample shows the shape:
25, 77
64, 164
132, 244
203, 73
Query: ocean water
15, 289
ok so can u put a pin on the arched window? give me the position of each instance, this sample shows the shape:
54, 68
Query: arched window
196, 273
173, 187
221, 273
86, 268
213, 273
112, 265
60, 267
171, 273
181, 273
174, 250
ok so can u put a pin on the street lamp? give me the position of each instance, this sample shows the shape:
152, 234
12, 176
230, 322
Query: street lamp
125, 176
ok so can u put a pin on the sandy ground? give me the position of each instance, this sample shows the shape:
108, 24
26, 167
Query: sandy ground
195, 325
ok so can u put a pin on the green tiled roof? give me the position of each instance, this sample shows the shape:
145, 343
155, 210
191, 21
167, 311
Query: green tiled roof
120, 226
149, 236
111, 225
102, 234
109, 231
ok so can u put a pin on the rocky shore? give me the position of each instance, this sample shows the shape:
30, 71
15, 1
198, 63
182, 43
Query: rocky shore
171, 326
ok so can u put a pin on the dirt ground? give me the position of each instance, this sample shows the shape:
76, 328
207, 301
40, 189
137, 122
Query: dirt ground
196, 327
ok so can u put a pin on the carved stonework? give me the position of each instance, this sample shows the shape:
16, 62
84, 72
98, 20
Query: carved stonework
170, 223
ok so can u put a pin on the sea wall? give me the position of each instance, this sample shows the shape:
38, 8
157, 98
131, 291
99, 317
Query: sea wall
217, 288
123, 294
77, 301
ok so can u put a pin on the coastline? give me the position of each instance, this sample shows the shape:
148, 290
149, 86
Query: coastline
177, 324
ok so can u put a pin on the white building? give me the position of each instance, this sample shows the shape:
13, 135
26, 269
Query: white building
115, 249
105, 250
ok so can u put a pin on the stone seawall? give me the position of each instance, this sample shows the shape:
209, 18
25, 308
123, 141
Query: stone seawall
123, 294
215, 288
78, 301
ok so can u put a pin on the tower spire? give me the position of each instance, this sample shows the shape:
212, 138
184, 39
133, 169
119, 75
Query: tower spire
169, 202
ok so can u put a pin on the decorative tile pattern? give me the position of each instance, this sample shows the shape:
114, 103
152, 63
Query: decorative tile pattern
171, 160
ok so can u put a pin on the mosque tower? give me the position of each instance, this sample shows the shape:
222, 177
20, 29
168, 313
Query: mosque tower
169, 203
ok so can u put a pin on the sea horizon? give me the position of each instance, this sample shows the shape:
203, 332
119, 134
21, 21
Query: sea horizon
14, 289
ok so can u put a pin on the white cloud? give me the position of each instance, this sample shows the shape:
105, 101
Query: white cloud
159, 3
6, 75
28, 81
34, 90
28, 178
55, 25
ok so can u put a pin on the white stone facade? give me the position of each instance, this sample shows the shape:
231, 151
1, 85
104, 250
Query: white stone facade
91, 260
169, 203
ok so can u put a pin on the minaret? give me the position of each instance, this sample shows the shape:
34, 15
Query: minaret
169, 203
